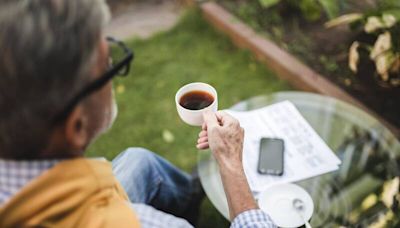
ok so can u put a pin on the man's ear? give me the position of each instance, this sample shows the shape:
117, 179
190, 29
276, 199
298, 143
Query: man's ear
76, 130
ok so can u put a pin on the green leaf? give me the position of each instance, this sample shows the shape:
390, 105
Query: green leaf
331, 7
344, 19
394, 12
389, 3
268, 3
311, 11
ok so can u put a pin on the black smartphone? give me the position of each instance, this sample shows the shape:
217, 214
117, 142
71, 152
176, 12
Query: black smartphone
270, 160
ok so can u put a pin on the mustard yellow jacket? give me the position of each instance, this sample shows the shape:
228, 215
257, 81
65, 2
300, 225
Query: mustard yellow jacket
74, 193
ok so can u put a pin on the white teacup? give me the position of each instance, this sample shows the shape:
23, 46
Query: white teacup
195, 117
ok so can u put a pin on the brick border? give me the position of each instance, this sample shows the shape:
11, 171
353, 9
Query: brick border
285, 65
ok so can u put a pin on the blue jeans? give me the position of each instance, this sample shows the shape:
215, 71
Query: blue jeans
149, 179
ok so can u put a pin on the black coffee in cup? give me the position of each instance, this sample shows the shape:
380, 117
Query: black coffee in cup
196, 100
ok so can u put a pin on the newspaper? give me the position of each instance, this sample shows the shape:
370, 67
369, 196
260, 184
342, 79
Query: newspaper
306, 154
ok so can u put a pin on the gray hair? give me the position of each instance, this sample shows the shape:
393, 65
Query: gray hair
47, 48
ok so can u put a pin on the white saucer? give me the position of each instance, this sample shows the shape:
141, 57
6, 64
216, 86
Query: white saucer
277, 201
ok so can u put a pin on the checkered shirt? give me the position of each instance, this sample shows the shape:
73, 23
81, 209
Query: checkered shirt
14, 175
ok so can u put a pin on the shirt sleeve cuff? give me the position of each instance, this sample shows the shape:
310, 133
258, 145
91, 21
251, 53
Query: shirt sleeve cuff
253, 218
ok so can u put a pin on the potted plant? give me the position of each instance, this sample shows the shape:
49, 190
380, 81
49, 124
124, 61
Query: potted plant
374, 56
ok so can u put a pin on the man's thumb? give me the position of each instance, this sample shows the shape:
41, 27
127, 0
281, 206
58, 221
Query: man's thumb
210, 119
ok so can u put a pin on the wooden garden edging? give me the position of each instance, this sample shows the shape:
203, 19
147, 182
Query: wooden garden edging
286, 66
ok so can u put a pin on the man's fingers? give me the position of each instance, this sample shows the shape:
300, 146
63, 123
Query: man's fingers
203, 146
225, 117
210, 119
204, 126
220, 115
202, 133
202, 140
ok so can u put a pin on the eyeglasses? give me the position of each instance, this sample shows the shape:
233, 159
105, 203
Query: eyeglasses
120, 58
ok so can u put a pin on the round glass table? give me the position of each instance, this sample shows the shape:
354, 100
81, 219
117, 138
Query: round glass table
363, 192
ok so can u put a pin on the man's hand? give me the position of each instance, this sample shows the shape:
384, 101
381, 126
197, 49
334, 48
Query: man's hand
223, 134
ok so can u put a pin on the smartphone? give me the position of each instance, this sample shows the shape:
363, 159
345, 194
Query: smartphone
270, 160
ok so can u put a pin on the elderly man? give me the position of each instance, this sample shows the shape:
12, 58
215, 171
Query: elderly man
56, 98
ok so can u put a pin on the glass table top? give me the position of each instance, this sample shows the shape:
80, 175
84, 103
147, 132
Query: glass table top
364, 192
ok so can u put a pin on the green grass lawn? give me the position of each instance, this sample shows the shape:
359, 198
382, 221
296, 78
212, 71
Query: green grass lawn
190, 52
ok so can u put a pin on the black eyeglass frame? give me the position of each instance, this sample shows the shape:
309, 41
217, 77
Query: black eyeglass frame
113, 71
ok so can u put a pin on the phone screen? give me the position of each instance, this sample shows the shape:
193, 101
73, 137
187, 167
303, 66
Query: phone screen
271, 156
